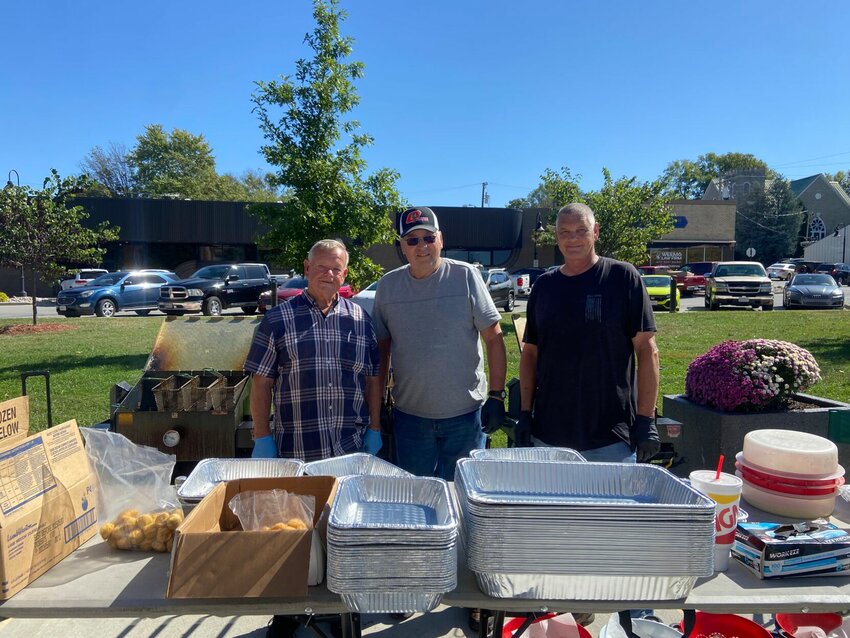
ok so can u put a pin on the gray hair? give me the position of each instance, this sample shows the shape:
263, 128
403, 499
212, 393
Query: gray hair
577, 208
328, 246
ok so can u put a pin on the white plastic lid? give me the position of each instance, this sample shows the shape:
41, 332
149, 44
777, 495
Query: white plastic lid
790, 451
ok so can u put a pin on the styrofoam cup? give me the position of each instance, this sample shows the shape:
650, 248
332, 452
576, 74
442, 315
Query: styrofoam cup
726, 492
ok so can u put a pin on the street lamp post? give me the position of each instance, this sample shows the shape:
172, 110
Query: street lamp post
23, 292
538, 228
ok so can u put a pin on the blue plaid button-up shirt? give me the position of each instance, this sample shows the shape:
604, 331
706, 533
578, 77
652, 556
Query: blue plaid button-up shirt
320, 364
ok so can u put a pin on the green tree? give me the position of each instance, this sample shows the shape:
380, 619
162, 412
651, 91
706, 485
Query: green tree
768, 221
843, 179
259, 187
317, 152
631, 214
109, 169
688, 179
41, 231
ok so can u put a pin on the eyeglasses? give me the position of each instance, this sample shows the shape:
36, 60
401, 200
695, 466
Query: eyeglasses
414, 241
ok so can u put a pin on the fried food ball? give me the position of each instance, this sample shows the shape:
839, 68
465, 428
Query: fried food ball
106, 530
296, 523
136, 537
158, 547
174, 520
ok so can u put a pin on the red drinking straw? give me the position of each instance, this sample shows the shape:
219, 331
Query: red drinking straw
719, 467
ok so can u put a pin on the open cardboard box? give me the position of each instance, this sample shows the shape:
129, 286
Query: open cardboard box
213, 557
48, 496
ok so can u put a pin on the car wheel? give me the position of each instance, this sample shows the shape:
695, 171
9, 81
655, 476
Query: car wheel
713, 305
143, 313
509, 302
767, 307
249, 310
105, 308
212, 306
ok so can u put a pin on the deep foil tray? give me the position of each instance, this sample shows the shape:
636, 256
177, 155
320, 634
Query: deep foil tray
358, 463
528, 454
210, 472
392, 502
635, 487
391, 602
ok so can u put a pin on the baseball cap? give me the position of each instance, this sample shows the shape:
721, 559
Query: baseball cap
416, 218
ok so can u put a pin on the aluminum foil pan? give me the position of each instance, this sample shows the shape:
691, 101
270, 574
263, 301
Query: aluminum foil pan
635, 487
528, 454
393, 503
391, 602
210, 472
584, 587
358, 463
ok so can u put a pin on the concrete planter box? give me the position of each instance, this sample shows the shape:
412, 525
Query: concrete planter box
707, 433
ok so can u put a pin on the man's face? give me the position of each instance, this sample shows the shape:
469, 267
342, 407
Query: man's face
325, 273
576, 236
424, 256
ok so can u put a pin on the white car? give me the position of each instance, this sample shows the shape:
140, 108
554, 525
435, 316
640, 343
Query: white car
522, 285
366, 297
81, 278
781, 271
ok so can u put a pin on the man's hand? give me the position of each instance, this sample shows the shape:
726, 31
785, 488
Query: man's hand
492, 415
372, 442
265, 448
646, 438
522, 430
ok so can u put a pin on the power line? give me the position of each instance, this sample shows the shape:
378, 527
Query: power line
811, 159
440, 190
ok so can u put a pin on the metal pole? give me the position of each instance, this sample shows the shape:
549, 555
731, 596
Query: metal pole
483, 191
23, 292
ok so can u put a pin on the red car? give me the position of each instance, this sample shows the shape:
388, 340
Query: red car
294, 287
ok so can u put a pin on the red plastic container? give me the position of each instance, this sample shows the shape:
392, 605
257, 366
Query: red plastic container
727, 625
789, 488
515, 623
791, 622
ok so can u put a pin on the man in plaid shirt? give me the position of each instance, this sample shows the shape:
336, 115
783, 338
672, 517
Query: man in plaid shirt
316, 355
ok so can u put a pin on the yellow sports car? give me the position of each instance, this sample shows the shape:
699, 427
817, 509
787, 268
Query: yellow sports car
658, 287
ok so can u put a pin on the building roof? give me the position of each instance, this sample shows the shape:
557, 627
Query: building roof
799, 185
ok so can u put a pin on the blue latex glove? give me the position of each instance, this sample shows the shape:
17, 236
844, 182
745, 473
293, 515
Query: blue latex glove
265, 448
372, 442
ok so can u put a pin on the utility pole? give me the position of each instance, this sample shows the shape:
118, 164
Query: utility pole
483, 193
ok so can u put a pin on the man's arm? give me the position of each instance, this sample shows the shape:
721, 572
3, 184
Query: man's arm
261, 404
374, 396
648, 374
528, 375
497, 358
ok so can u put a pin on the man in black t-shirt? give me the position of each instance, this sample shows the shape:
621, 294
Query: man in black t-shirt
589, 365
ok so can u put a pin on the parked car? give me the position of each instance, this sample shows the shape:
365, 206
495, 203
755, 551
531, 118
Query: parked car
738, 283
214, 288
500, 286
79, 278
136, 290
524, 278
658, 287
815, 290
781, 271
653, 270
690, 278
293, 287
839, 272
366, 297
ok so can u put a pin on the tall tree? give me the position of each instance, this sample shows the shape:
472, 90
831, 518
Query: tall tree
110, 169
688, 179
41, 232
631, 214
768, 221
317, 152
843, 179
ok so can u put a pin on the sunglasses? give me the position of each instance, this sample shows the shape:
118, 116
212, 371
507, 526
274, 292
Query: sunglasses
414, 241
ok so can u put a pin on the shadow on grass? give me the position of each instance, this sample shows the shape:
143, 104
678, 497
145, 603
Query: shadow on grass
835, 350
64, 363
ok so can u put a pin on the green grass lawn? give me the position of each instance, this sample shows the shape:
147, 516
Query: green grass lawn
85, 362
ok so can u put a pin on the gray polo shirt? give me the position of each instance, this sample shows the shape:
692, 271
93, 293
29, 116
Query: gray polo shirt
434, 324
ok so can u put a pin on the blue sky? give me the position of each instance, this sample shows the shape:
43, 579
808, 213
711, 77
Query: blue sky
456, 92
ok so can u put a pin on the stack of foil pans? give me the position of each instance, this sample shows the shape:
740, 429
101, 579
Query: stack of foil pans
392, 543
355, 464
555, 530
528, 454
209, 472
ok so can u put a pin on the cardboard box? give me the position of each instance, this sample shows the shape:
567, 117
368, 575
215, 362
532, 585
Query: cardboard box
780, 550
213, 557
48, 497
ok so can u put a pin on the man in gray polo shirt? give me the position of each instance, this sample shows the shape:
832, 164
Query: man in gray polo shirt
428, 317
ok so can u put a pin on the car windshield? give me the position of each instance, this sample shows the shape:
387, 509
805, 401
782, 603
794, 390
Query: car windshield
655, 282
372, 286
295, 282
814, 280
212, 272
109, 279
740, 270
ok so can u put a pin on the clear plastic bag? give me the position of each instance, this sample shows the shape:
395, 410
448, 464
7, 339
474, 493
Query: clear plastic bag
273, 510
140, 508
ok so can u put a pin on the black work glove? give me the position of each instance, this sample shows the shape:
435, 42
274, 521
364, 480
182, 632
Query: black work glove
492, 415
522, 430
646, 440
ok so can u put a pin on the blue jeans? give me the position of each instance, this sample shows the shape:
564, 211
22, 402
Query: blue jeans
431, 447
614, 453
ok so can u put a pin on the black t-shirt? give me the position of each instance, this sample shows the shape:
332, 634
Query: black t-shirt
583, 328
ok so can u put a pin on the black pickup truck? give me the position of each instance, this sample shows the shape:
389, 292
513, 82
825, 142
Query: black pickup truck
214, 288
